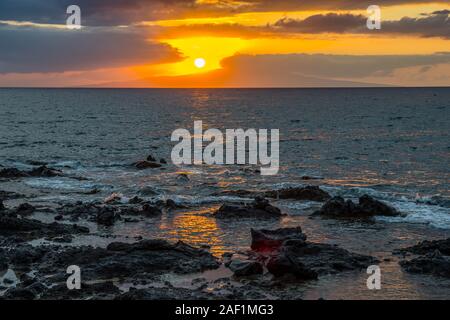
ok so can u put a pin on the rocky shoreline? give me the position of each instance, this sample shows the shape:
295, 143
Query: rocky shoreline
275, 260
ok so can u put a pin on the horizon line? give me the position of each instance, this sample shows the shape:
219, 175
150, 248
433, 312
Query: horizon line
231, 88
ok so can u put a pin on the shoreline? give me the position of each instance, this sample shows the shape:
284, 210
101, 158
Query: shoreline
372, 237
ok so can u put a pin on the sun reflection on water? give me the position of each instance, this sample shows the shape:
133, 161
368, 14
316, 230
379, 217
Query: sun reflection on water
197, 229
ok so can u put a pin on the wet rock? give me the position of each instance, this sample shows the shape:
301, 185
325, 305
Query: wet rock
32, 229
370, 206
138, 263
20, 294
310, 178
8, 195
100, 213
171, 204
152, 244
78, 210
269, 240
37, 163
227, 255
37, 288
97, 291
139, 260
135, 200
260, 208
434, 258
367, 207
434, 263
41, 171
325, 258
92, 192
235, 193
151, 158
107, 216
283, 265
147, 210
311, 193
337, 206
25, 208
166, 293
246, 268
12, 173
424, 247
141, 165
150, 211
287, 252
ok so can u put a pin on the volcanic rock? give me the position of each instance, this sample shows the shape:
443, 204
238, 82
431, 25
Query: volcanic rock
246, 268
311, 193
269, 240
337, 207
260, 208
141, 165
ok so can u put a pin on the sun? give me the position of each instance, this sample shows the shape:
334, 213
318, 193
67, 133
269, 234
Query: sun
200, 63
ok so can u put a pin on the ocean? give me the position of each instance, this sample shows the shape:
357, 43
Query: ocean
390, 143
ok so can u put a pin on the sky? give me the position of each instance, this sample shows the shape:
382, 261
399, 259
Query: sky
224, 43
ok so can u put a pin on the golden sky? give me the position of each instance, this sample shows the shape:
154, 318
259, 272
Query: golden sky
233, 43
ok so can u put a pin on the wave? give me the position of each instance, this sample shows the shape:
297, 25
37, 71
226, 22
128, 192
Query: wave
64, 184
435, 216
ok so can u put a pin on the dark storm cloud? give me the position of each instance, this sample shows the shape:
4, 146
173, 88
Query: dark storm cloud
436, 24
332, 22
118, 12
26, 50
286, 5
94, 12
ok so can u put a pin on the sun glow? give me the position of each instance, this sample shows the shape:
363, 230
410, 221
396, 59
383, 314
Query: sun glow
201, 54
200, 63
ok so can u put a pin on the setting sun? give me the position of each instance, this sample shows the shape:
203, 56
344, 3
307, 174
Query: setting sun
200, 63
200, 54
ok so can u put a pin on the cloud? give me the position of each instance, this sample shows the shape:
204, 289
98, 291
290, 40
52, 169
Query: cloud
94, 12
242, 6
270, 5
332, 22
436, 24
330, 66
25, 50
314, 70
120, 12
445, 12
290, 70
